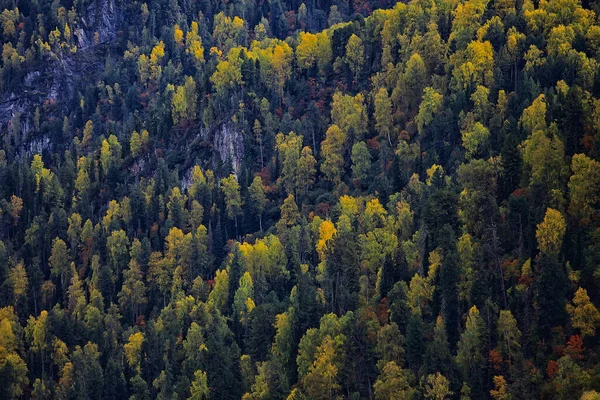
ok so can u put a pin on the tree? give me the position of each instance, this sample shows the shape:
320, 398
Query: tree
199, 389
322, 380
584, 186
361, 162
355, 55
228, 74
110, 153
117, 245
17, 277
13, 370
543, 154
220, 293
390, 345
413, 81
305, 176
133, 351
550, 232
193, 44
132, 297
475, 138
394, 382
184, 101
383, 114
243, 302
501, 391
279, 58
509, 336
477, 67
37, 331
289, 147
438, 356
314, 48
228, 32
570, 380
431, 104
332, 152
289, 214
60, 262
349, 113
88, 133
306, 52
584, 314
467, 19
258, 199
437, 387
233, 200
88, 377
471, 349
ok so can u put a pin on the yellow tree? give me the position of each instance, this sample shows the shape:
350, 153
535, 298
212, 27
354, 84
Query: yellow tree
550, 232
306, 52
584, 314
193, 43
156, 56
281, 67
178, 35
322, 382
474, 67
184, 101
349, 113
133, 350
228, 74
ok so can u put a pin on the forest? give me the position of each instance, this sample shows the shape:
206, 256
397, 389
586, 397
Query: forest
329, 199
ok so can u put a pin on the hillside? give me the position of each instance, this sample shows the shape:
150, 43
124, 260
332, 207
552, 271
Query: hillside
283, 200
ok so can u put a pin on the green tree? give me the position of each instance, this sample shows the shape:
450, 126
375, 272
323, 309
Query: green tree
355, 55
431, 104
258, 199
383, 114
306, 170
243, 302
60, 262
509, 336
584, 186
117, 245
471, 350
361, 162
233, 200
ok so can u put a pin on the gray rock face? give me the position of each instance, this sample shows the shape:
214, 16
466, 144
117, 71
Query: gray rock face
229, 145
101, 17
56, 77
